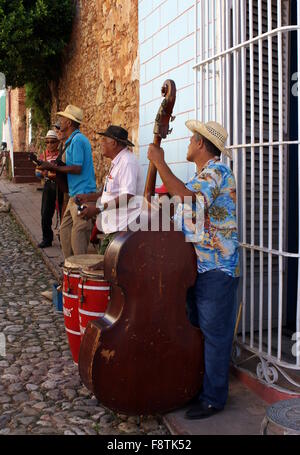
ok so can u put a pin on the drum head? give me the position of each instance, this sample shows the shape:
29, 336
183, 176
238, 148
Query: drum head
92, 274
83, 261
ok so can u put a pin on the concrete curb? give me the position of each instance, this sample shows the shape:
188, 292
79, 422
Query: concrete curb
173, 426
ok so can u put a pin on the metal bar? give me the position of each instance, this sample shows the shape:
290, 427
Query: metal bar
213, 14
270, 358
281, 177
221, 63
201, 48
274, 32
196, 95
207, 117
298, 296
228, 72
272, 251
235, 11
263, 144
252, 183
270, 224
244, 163
261, 179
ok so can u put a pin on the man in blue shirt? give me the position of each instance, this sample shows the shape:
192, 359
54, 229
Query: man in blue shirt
75, 231
211, 302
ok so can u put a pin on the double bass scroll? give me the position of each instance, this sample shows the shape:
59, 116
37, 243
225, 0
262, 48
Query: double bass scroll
161, 130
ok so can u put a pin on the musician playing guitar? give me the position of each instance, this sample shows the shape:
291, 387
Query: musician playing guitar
75, 231
52, 196
211, 302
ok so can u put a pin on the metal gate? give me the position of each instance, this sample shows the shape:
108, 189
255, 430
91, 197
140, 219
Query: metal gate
243, 61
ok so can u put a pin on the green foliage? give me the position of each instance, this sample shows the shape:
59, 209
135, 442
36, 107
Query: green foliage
33, 35
38, 98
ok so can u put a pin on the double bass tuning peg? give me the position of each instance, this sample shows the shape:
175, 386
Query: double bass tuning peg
173, 117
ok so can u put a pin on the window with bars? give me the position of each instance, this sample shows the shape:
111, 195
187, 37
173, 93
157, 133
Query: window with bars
250, 69
263, 123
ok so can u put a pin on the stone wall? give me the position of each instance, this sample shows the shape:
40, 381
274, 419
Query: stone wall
101, 70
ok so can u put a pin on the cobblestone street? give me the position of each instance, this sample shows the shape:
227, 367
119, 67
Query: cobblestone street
40, 388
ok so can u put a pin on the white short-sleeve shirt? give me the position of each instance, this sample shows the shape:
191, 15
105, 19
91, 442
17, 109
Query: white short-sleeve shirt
125, 177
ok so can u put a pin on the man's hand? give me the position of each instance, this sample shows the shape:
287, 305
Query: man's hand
82, 198
88, 213
156, 155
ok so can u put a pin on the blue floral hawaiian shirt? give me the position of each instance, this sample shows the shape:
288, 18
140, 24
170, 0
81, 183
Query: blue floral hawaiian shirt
214, 234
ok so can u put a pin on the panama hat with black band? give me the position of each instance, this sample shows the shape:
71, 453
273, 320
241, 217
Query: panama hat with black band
213, 132
117, 133
73, 113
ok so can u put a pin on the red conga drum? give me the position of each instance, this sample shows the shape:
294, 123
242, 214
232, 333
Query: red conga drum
93, 297
72, 268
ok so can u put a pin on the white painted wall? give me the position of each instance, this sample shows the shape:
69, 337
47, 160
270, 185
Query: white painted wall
167, 51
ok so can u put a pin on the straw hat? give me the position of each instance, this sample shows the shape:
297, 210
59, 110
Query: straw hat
51, 134
212, 131
73, 113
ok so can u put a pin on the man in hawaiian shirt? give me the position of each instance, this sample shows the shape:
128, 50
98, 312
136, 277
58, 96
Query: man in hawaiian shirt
211, 302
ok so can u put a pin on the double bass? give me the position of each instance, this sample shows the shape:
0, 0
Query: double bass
144, 356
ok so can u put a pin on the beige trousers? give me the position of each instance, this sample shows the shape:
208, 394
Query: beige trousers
74, 232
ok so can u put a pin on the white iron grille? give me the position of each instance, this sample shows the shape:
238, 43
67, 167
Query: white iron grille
241, 80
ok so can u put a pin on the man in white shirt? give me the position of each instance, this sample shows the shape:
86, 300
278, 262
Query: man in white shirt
123, 182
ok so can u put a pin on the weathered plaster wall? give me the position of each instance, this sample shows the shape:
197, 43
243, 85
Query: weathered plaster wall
16, 98
101, 70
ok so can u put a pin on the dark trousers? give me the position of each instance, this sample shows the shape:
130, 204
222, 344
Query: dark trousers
48, 208
211, 305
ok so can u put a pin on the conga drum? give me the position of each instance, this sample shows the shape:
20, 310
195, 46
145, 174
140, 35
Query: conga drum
93, 297
72, 268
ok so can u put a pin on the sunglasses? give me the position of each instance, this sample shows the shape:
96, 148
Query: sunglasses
51, 142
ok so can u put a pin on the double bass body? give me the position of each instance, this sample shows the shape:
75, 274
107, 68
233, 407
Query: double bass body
145, 356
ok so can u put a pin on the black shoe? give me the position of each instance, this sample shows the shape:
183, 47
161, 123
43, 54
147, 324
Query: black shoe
44, 244
201, 410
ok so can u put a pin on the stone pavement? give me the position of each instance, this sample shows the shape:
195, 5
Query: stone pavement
40, 389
